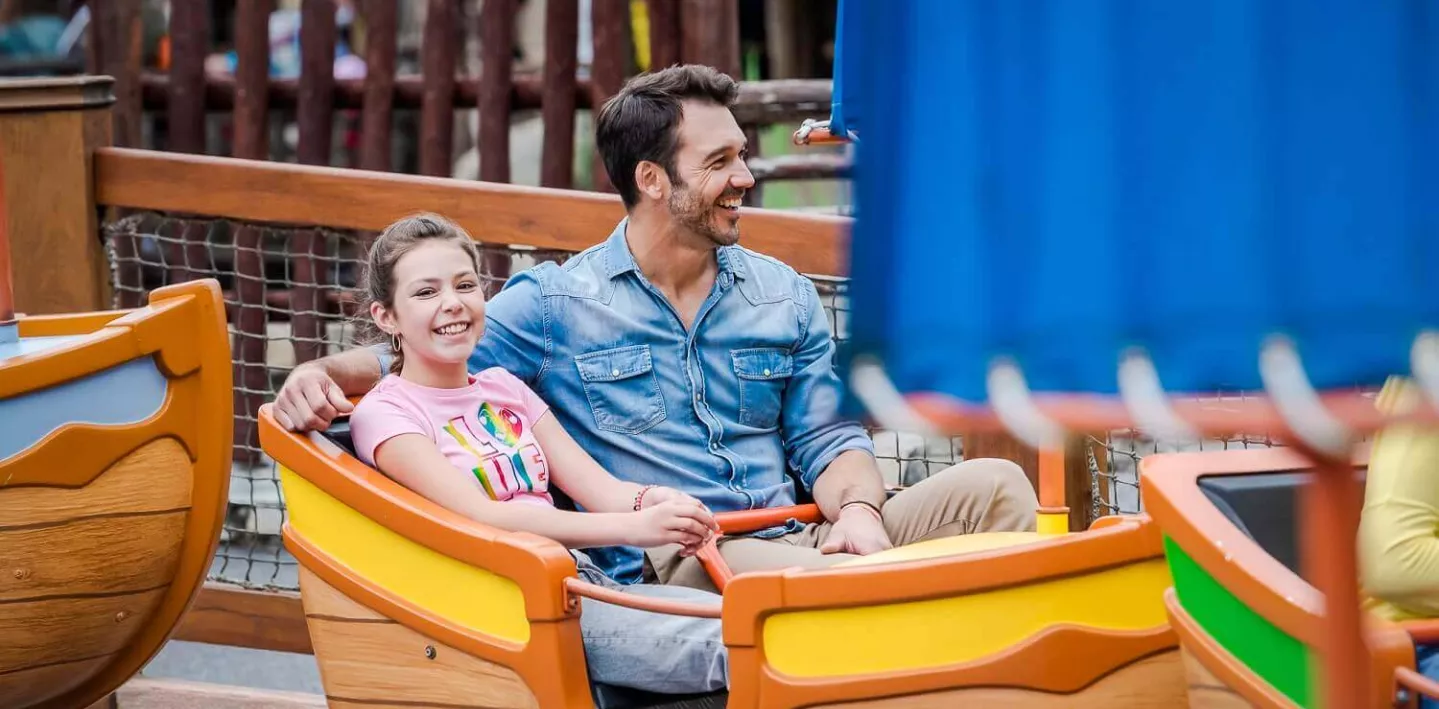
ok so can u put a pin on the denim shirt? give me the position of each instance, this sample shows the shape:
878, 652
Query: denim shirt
727, 412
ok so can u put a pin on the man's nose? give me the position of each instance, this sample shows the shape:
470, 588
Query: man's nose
744, 179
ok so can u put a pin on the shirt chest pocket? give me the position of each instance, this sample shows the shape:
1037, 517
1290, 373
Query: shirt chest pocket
622, 389
762, 373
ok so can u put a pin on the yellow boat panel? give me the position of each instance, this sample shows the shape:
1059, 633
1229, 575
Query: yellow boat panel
472, 598
932, 633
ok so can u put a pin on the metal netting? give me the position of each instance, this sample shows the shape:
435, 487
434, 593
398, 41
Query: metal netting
1114, 464
290, 296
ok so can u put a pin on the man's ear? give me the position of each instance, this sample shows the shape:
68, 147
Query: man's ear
651, 179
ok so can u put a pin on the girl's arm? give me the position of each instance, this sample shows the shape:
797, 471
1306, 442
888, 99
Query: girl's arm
593, 487
578, 475
414, 461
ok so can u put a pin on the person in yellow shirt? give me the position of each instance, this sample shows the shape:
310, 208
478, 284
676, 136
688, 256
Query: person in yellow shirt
1399, 526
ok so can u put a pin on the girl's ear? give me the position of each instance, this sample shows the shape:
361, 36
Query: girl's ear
383, 318
651, 179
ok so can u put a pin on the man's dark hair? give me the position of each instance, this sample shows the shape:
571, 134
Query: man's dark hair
641, 122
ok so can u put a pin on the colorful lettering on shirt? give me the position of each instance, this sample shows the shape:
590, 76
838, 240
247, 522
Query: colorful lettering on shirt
497, 466
504, 425
468, 442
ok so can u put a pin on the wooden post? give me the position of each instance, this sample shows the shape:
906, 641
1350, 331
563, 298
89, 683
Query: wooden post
49, 129
1076, 470
709, 34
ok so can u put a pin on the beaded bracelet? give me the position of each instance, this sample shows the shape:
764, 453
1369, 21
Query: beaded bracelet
640, 497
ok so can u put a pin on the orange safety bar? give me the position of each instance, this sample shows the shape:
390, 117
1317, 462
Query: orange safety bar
1053, 517
750, 520
658, 605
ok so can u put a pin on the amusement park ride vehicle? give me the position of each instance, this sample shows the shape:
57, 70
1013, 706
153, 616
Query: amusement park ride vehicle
1193, 161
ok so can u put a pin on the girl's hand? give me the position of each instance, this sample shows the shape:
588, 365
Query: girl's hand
679, 520
658, 494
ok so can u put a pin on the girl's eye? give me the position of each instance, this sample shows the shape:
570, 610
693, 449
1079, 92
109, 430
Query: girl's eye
424, 292
467, 285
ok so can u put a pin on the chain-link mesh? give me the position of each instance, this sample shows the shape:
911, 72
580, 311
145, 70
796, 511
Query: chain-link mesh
290, 296
1114, 464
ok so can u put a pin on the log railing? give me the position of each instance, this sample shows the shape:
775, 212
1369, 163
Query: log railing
703, 31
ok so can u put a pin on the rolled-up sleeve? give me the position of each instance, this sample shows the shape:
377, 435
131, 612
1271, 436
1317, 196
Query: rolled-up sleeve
814, 431
516, 335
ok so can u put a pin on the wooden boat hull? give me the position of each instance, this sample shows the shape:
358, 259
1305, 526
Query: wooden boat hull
115, 441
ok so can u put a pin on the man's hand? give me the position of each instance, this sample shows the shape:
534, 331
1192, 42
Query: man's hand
857, 531
309, 400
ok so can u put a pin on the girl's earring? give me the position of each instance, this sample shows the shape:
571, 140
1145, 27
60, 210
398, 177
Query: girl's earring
395, 342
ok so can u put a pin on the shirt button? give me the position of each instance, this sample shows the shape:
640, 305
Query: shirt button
616, 373
766, 372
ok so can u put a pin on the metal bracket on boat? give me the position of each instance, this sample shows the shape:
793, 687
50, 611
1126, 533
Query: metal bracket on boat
1143, 396
1010, 397
872, 386
1424, 361
1297, 401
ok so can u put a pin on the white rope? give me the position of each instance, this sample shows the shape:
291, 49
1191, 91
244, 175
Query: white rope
1009, 396
872, 386
1297, 401
1143, 395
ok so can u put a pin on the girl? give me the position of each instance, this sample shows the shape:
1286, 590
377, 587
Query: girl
484, 445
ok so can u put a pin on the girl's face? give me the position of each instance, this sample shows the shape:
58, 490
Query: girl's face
439, 309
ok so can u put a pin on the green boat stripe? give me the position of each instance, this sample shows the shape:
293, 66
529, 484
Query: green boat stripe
1270, 653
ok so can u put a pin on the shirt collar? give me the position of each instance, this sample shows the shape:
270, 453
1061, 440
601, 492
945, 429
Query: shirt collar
618, 259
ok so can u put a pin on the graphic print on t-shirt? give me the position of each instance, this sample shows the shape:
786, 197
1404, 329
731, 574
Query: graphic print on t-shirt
501, 471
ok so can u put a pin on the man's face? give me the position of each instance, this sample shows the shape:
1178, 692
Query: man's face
713, 177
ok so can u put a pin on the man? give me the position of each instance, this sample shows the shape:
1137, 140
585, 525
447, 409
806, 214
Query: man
676, 357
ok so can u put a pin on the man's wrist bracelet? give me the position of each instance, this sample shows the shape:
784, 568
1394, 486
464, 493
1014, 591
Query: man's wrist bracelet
871, 506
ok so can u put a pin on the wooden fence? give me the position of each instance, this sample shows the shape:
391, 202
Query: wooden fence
691, 31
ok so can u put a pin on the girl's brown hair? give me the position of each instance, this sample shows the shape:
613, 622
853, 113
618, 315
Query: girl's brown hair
377, 284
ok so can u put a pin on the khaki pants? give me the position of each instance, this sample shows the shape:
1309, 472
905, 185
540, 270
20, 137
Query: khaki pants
981, 495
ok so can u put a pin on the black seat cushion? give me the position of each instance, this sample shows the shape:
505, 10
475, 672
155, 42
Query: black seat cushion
339, 434
1264, 507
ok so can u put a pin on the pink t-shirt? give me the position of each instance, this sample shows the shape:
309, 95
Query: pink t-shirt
485, 429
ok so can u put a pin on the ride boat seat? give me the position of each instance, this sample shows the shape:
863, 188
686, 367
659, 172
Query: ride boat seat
606, 696
1264, 506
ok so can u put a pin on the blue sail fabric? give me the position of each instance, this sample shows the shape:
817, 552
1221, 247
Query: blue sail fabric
1058, 180
848, 57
